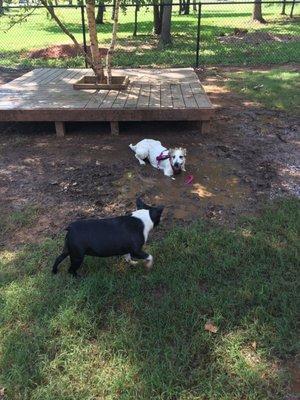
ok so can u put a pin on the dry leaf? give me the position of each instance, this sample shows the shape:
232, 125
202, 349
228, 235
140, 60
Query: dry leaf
210, 327
254, 345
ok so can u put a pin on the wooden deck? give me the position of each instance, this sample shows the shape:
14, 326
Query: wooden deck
163, 94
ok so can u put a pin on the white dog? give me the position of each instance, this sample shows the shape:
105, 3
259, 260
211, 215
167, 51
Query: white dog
171, 161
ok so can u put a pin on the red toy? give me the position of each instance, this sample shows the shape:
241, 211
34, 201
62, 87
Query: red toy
189, 179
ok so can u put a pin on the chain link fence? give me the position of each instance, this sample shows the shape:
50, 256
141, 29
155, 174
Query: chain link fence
201, 34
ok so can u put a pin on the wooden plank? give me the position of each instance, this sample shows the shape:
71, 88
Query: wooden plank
166, 96
154, 101
97, 99
200, 98
133, 96
83, 114
177, 98
64, 78
121, 99
144, 96
109, 99
188, 96
52, 75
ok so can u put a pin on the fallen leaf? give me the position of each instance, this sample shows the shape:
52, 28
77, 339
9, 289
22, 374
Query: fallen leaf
210, 327
254, 345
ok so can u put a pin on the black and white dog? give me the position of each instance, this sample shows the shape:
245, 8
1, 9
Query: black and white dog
171, 161
108, 237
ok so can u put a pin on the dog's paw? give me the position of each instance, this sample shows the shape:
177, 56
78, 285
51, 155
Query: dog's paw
149, 262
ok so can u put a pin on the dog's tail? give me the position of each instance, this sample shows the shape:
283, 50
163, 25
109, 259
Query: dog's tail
61, 257
133, 147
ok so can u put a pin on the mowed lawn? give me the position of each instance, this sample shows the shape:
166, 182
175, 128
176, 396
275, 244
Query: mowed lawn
39, 31
121, 333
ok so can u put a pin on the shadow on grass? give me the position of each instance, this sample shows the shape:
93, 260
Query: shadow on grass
118, 333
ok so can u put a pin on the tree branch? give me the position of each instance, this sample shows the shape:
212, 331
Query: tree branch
50, 9
15, 22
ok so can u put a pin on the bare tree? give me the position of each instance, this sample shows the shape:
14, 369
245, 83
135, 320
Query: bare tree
165, 36
186, 9
96, 58
257, 13
292, 9
283, 7
100, 13
113, 42
157, 17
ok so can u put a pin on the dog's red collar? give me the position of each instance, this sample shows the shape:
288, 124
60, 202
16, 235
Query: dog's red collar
162, 157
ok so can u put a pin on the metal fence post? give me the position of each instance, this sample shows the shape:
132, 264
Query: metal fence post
198, 34
83, 34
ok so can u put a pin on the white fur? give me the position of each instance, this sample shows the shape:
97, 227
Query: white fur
144, 216
149, 148
149, 262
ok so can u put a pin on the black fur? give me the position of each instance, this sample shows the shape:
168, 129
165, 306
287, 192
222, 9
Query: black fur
106, 237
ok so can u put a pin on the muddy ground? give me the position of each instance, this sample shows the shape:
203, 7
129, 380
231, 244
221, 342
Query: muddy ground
250, 156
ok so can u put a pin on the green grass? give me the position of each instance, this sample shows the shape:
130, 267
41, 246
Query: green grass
277, 88
120, 334
39, 31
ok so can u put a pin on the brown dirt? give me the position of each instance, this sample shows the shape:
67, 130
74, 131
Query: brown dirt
59, 51
236, 168
242, 37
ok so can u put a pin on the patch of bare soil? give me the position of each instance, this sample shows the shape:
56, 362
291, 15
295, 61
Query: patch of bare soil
242, 36
8, 74
60, 51
250, 156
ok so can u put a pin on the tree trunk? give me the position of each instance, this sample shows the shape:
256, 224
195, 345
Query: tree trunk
100, 14
113, 10
165, 36
283, 8
187, 7
96, 59
292, 9
1, 7
157, 19
257, 14
70, 2
113, 42
195, 7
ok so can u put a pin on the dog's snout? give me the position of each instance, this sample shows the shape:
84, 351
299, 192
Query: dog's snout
176, 164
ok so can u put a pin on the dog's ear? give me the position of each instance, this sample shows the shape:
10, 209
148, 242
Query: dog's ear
155, 214
184, 152
140, 205
171, 151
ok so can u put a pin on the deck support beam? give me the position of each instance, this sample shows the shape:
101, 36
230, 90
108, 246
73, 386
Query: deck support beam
60, 129
114, 128
204, 126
